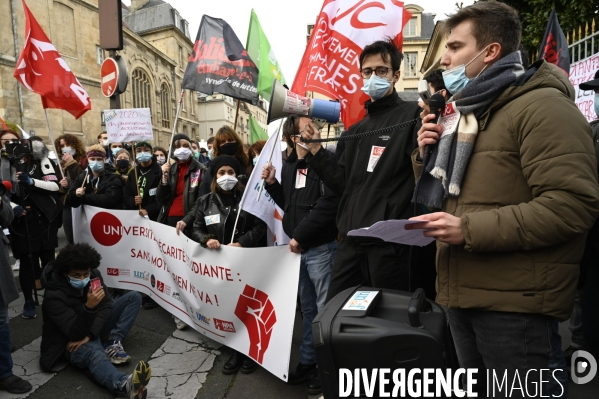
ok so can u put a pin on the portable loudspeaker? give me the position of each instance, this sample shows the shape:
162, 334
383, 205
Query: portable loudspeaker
284, 103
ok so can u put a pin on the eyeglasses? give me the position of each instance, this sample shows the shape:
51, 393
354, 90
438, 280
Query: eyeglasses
380, 71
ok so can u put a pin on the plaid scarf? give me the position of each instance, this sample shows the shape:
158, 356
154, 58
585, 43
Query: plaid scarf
445, 169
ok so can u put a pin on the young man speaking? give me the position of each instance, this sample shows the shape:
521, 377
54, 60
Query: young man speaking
516, 180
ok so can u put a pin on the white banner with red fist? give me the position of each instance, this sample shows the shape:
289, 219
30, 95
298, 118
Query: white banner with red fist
242, 297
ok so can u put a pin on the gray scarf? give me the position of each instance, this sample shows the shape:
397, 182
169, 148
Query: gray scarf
445, 169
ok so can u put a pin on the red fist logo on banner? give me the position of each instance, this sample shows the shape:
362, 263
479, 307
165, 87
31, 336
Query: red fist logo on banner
258, 314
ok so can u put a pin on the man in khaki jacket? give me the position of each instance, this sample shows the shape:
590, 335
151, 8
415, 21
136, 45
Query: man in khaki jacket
517, 184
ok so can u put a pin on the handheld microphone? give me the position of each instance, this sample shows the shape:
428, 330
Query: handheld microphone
437, 105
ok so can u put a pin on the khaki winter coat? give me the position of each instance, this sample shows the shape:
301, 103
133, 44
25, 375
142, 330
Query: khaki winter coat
528, 198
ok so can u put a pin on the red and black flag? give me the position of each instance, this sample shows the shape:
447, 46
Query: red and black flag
219, 63
554, 47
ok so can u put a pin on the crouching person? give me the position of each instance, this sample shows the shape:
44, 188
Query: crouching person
76, 316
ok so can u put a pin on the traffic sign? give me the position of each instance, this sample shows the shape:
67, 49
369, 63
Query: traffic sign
110, 77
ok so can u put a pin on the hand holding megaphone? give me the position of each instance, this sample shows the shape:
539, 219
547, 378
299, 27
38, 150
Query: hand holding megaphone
311, 132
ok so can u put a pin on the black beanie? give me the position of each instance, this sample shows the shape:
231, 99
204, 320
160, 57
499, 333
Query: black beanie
181, 136
224, 160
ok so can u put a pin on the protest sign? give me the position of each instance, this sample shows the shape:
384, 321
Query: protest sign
242, 297
124, 125
580, 72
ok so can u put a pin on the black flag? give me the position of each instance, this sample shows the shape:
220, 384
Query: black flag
219, 63
554, 47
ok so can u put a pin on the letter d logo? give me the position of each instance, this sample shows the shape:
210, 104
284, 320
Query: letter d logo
583, 367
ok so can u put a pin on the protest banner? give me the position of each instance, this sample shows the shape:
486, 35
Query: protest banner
241, 297
124, 125
580, 72
331, 61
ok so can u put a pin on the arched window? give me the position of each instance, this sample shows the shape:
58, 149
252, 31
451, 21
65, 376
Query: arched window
141, 89
165, 106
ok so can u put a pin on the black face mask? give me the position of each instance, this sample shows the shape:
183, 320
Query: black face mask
122, 164
228, 149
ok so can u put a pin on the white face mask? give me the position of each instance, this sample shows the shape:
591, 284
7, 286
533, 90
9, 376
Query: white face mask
226, 182
182, 153
105, 142
161, 160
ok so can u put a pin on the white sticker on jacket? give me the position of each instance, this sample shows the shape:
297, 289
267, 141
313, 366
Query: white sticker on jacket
195, 178
375, 155
212, 219
300, 179
152, 192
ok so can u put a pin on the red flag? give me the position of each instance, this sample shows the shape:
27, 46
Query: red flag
4, 126
331, 62
42, 70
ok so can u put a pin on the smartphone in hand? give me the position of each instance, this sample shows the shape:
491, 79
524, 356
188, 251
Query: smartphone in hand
95, 284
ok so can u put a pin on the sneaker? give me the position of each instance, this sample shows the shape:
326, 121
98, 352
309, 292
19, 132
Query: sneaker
17, 265
29, 310
179, 323
302, 373
135, 386
114, 350
14, 384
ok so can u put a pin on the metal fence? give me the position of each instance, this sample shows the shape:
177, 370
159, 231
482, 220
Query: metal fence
584, 41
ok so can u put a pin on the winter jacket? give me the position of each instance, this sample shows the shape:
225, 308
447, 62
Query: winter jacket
309, 211
166, 192
105, 191
8, 288
528, 198
39, 227
65, 316
211, 218
148, 187
386, 192
72, 169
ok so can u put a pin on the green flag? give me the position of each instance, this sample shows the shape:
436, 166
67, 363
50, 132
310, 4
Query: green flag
261, 53
256, 131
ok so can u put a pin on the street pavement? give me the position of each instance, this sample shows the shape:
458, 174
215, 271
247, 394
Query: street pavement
185, 364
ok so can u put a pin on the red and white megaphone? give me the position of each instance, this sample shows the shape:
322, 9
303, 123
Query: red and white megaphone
284, 103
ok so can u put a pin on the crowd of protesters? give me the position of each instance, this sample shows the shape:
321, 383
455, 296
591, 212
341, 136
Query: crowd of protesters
513, 252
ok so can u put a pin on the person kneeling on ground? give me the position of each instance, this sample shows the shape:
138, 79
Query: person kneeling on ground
76, 316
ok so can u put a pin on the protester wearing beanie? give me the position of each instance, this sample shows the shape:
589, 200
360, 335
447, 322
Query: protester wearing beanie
96, 186
216, 213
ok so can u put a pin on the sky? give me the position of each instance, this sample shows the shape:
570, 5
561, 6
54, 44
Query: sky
283, 21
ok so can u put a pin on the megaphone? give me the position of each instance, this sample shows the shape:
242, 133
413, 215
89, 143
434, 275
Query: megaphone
284, 103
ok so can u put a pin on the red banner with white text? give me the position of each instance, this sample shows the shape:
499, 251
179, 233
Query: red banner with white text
331, 62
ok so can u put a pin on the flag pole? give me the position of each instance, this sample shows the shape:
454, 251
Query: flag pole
135, 171
272, 151
175, 124
236, 116
52, 141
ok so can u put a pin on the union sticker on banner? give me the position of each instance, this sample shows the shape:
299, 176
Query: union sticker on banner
124, 125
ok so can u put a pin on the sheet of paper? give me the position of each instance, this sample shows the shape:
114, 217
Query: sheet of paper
394, 231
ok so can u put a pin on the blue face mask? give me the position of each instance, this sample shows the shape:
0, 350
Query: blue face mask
78, 284
115, 151
196, 154
455, 79
210, 154
376, 87
143, 157
96, 166
68, 150
597, 104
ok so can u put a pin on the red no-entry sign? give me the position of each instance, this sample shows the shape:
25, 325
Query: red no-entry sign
110, 77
